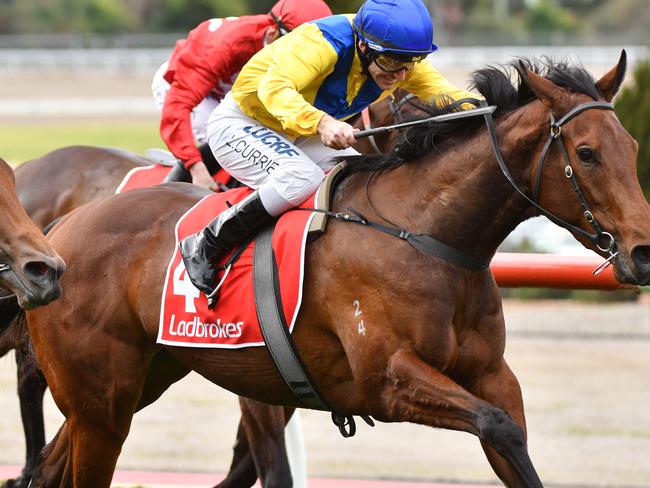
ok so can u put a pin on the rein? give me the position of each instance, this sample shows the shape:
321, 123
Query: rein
396, 111
603, 240
396, 106
3, 268
367, 124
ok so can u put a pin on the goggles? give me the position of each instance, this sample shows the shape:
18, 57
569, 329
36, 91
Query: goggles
392, 63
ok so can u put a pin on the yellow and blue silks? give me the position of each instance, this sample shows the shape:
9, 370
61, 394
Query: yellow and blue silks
315, 69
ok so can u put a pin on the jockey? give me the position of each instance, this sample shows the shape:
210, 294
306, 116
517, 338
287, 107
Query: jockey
284, 120
203, 67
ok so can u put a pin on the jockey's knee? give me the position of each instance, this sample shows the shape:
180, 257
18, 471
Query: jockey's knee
285, 190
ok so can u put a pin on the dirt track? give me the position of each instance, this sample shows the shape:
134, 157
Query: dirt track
586, 401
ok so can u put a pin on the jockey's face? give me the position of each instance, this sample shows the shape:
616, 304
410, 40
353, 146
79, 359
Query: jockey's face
385, 80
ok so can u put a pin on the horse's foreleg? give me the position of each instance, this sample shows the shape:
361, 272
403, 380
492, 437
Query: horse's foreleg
98, 401
31, 388
501, 388
419, 393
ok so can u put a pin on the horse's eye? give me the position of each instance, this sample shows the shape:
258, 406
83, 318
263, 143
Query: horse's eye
586, 155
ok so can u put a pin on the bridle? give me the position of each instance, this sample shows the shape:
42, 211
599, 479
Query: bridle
603, 240
396, 105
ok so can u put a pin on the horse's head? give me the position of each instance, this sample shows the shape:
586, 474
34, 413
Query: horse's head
589, 175
29, 266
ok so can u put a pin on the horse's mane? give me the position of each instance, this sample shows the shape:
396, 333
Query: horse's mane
501, 85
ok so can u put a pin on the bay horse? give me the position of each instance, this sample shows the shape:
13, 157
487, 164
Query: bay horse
29, 266
63, 180
432, 348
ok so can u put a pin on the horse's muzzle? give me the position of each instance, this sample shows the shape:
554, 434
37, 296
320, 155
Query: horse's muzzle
37, 282
640, 257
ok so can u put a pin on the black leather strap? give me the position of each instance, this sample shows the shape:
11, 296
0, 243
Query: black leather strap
278, 339
422, 242
273, 324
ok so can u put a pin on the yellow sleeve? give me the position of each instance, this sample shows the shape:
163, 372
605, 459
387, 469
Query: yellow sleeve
299, 66
428, 84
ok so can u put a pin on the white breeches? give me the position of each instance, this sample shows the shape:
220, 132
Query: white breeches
284, 172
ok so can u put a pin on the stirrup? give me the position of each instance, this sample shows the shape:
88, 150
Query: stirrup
213, 297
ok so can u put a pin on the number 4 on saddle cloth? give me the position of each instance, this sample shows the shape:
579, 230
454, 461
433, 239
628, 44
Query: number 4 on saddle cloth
186, 319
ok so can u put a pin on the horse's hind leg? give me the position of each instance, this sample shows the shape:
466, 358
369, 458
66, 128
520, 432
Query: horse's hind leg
420, 393
263, 426
50, 470
242, 472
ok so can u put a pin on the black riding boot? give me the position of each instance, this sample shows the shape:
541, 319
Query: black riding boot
208, 159
202, 251
179, 173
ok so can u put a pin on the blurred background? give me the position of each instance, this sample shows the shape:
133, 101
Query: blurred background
79, 72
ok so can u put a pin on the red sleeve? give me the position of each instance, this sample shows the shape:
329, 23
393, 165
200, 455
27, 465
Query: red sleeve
186, 92
211, 54
197, 69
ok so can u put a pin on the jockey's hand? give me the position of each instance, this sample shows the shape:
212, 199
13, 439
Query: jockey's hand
201, 176
335, 133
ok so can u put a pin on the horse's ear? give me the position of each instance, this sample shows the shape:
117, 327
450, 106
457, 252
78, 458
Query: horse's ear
611, 81
544, 89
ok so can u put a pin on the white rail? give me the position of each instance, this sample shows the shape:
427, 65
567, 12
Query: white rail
145, 60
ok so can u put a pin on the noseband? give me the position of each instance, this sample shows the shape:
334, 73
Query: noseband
603, 240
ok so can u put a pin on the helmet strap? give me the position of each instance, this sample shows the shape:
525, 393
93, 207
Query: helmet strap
366, 58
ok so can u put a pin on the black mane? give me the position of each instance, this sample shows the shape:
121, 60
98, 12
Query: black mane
496, 85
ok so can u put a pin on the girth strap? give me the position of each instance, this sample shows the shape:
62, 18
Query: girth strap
277, 337
273, 324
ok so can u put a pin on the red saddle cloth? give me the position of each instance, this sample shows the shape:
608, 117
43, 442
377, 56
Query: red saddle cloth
186, 320
145, 176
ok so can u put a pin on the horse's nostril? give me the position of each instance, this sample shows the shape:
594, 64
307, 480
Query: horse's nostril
37, 268
641, 256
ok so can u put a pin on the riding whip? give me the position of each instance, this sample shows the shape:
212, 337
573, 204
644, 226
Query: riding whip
438, 118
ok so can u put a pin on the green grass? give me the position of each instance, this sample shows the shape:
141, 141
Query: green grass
20, 143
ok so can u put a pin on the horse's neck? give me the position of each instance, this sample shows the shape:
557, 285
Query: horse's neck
463, 198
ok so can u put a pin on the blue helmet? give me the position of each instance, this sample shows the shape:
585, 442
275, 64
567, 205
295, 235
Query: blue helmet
400, 27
